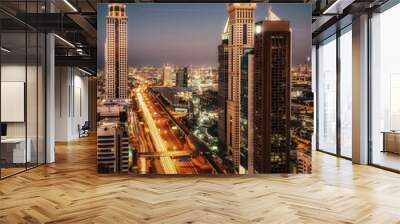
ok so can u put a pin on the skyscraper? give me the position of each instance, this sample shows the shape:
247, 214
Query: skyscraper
113, 137
272, 63
166, 75
241, 36
182, 77
222, 87
106, 147
246, 81
112, 147
116, 53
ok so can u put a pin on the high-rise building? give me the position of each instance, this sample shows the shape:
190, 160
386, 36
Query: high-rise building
241, 36
182, 77
123, 140
166, 75
112, 147
222, 88
116, 52
272, 63
246, 81
113, 137
106, 147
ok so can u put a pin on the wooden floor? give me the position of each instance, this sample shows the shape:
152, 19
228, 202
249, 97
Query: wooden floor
70, 191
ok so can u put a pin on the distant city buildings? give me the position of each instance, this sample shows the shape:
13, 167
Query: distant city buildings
166, 75
202, 78
241, 30
178, 98
182, 77
116, 52
272, 64
302, 104
149, 73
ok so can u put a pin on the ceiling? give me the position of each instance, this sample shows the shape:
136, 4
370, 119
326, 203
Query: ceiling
73, 21
331, 15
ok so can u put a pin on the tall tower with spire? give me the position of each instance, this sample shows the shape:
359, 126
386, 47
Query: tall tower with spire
241, 36
272, 64
116, 52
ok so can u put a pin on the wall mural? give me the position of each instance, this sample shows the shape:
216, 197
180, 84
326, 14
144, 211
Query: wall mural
204, 88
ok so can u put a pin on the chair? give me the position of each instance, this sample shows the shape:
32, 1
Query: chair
84, 130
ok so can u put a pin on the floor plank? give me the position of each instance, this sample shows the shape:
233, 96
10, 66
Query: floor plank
70, 191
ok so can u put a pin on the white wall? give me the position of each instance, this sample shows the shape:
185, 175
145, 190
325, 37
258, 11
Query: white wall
80, 109
12, 73
61, 103
33, 126
71, 102
16, 73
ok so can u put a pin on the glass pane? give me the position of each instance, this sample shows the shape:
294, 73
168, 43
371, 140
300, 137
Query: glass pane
31, 98
346, 94
32, 87
13, 86
41, 98
22, 89
327, 96
385, 84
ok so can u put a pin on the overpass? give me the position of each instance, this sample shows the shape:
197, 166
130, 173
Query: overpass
173, 154
198, 143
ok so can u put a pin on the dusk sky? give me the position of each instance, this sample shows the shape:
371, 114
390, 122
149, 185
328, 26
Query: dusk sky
188, 34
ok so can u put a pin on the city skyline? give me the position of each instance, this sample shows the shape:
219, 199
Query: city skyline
189, 28
179, 118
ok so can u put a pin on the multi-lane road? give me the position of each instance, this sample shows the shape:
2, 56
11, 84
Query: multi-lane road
167, 162
160, 150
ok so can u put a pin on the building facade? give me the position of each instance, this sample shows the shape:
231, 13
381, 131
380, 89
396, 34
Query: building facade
116, 52
113, 137
272, 55
166, 75
241, 36
246, 79
222, 89
112, 148
182, 77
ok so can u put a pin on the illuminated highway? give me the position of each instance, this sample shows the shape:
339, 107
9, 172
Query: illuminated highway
167, 162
